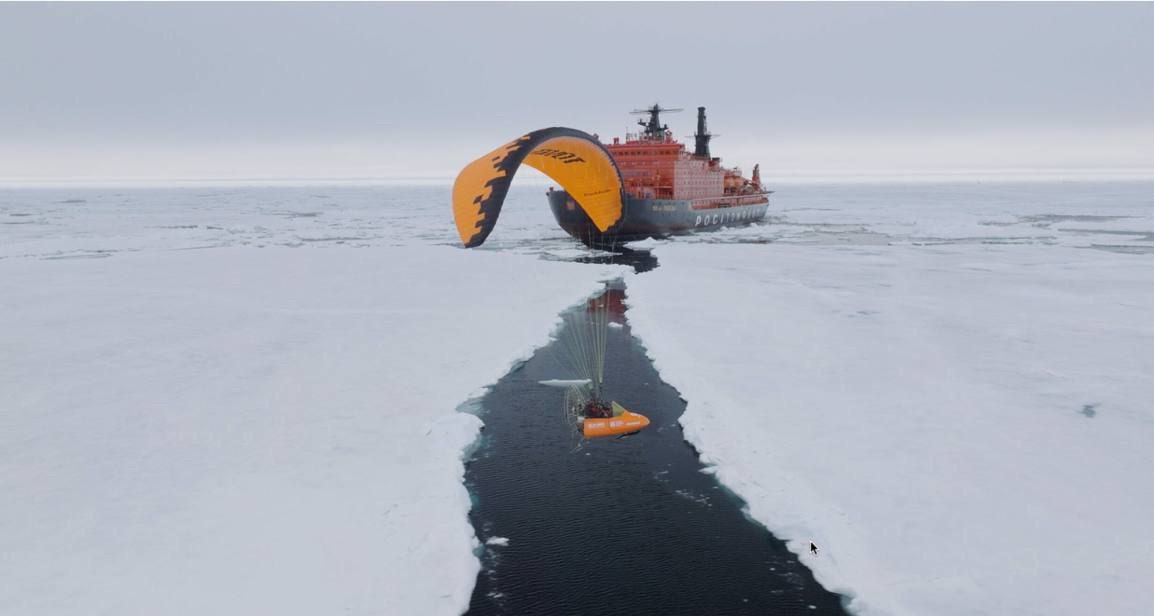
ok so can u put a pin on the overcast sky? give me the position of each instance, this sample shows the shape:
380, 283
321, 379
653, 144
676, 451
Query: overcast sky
379, 90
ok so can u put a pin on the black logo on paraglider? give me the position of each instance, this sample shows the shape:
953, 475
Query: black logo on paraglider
561, 155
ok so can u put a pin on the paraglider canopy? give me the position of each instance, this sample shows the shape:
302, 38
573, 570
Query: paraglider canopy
574, 159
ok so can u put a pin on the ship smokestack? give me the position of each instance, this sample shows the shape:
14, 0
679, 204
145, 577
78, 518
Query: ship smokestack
701, 138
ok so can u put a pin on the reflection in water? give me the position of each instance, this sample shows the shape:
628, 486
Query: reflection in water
611, 301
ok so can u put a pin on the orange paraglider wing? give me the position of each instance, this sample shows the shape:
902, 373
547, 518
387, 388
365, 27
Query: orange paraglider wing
574, 159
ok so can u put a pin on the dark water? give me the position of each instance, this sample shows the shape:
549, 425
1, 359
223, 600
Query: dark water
615, 526
639, 260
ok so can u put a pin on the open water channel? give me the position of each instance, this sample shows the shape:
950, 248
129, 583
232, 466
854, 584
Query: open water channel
620, 525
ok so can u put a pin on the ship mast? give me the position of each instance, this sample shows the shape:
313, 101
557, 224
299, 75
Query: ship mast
653, 128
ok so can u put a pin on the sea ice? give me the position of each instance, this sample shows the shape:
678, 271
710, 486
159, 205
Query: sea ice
564, 382
241, 399
253, 431
919, 413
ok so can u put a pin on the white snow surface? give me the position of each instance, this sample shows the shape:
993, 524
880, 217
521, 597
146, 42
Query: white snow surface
241, 399
961, 427
564, 382
248, 428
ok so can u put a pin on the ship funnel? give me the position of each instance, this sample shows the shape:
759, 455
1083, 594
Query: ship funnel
701, 137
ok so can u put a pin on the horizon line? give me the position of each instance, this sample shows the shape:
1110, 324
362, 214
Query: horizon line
1022, 174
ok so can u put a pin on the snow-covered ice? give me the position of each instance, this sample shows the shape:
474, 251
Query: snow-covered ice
249, 428
564, 382
243, 399
498, 541
919, 409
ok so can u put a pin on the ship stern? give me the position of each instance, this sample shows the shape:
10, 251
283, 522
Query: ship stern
574, 221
